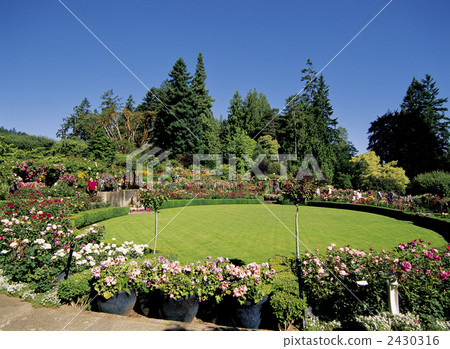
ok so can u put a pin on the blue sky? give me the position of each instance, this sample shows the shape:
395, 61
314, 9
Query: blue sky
49, 62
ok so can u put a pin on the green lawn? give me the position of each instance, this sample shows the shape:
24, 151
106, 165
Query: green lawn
252, 233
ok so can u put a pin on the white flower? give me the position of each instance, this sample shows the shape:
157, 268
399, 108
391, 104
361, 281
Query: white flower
4, 251
46, 246
13, 244
25, 241
39, 241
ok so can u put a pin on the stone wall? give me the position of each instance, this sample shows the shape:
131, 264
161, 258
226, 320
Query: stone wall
126, 197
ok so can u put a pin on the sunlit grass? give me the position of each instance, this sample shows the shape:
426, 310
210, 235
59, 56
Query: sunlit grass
257, 232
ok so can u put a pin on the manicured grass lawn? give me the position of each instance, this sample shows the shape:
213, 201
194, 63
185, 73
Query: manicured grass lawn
252, 233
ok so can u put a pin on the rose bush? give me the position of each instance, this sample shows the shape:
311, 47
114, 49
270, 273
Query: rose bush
344, 283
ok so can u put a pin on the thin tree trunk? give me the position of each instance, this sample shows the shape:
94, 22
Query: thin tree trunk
297, 235
156, 232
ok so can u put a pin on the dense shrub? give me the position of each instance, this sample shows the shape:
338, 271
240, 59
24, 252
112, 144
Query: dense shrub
76, 289
436, 182
70, 147
287, 304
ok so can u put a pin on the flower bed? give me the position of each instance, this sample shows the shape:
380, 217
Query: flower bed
333, 281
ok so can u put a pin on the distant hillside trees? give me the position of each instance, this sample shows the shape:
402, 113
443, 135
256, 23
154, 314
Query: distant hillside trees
23, 141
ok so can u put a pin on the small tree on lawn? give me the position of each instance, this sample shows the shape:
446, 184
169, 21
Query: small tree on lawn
153, 199
298, 193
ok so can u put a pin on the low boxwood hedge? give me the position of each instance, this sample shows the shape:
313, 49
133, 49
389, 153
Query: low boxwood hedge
86, 218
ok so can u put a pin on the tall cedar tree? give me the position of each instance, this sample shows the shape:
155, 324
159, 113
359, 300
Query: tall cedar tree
306, 126
179, 129
204, 103
235, 114
256, 110
418, 135
422, 97
151, 107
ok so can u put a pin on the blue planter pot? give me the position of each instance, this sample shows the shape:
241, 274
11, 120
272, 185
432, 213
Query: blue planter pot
148, 304
120, 304
248, 315
183, 309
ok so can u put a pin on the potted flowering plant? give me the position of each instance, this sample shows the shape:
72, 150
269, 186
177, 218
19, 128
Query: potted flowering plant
211, 275
251, 286
114, 280
178, 286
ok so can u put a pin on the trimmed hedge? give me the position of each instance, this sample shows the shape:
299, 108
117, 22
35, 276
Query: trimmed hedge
288, 306
86, 218
439, 225
199, 202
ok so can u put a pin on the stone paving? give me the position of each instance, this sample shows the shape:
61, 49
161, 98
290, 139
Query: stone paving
17, 315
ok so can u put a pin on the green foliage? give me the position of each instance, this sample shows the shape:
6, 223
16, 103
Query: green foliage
240, 144
422, 97
179, 129
101, 148
76, 289
435, 182
287, 304
70, 147
370, 174
419, 135
408, 138
204, 102
86, 218
269, 145
153, 199
287, 307
307, 126
80, 123
179, 286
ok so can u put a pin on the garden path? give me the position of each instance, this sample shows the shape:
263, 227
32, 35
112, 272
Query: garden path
16, 315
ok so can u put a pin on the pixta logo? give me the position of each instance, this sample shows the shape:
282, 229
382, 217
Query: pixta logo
149, 155
135, 163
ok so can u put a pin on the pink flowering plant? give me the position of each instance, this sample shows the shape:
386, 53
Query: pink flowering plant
114, 275
250, 284
346, 282
335, 280
211, 276
170, 278
423, 273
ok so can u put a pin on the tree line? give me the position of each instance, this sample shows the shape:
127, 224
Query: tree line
177, 117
